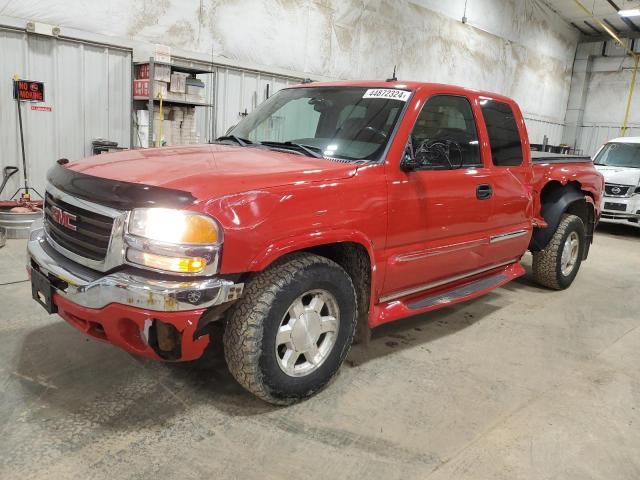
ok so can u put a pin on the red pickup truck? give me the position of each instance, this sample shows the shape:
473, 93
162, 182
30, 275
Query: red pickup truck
331, 209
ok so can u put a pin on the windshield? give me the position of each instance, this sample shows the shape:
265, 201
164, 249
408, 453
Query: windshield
342, 122
619, 155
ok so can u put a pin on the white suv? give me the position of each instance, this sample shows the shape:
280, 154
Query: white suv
619, 162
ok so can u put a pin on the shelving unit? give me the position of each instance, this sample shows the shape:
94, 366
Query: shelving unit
152, 100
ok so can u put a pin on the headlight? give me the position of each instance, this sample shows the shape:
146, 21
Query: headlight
173, 226
173, 240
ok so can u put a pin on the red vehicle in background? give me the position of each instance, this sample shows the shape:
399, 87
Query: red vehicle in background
331, 209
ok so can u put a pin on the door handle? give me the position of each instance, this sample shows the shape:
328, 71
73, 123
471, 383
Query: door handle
484, 191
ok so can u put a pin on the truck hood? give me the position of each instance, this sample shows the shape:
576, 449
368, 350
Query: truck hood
620, 175
209, 171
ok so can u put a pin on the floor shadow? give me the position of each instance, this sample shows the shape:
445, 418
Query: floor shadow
66, 371
422, 329
618, 230
61, 370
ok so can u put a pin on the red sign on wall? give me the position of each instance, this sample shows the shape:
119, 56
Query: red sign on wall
28, 90
40, 109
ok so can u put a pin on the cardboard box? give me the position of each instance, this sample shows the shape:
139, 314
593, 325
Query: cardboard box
141, 88
178, 82
142, 137
160, 53
176, 97
176, 114
195, 98
161, 73
142, 117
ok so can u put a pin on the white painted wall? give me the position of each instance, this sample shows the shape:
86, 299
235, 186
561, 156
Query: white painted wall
605, 100
519, 48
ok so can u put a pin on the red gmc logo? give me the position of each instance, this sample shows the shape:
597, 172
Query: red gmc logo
63, 218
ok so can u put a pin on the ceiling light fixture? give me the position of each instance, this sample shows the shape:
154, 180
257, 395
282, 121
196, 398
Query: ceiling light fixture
634, 12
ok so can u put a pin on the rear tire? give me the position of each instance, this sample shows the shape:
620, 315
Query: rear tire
557, 265
291, 330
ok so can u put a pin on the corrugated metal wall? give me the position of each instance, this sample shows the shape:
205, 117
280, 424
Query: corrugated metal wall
537, 129
592, 137
233, 92
88, 88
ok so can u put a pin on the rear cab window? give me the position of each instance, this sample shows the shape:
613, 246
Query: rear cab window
504, 136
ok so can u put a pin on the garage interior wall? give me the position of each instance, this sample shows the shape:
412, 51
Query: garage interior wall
87, 87
525, 52
603, 73
233, 92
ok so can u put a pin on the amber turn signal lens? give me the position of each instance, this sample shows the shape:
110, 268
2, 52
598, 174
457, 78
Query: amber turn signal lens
199, 229
171, 264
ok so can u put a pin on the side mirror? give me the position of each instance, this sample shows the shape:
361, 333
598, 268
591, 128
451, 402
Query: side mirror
409, 161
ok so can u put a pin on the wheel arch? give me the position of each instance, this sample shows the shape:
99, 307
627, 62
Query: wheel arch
557, 199
351, 250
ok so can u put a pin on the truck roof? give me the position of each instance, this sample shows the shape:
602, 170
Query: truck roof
405, 85
625, 140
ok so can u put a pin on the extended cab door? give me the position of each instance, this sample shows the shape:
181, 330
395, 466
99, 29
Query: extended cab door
510, 179
440, 214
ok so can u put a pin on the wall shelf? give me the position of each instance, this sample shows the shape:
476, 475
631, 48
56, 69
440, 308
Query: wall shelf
180, 65
174, 102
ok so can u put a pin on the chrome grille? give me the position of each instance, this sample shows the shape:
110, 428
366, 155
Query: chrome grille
92, 233
615, 190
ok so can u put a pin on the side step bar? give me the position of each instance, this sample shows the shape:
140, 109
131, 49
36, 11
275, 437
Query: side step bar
439, 295
463, 291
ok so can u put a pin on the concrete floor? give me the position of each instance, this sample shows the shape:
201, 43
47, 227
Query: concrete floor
523, 383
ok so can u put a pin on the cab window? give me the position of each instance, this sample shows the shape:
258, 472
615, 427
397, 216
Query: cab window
504, 137
445, 134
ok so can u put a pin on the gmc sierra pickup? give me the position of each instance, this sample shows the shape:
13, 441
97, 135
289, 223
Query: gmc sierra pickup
331, 209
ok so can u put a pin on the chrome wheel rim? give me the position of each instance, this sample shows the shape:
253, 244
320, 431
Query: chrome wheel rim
307, 333
570, 254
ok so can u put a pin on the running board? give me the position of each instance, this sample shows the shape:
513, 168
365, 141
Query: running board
463, 291
456, 291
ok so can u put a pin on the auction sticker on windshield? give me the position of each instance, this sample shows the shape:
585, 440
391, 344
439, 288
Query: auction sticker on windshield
389, 93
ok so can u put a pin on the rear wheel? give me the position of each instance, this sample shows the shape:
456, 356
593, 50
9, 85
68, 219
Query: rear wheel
557, 265
290, 332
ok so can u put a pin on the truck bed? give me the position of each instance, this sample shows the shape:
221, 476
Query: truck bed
546, 157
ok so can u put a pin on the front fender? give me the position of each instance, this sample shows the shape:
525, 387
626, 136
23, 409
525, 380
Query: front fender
283, 246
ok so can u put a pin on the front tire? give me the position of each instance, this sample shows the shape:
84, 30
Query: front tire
292, 329
557, 265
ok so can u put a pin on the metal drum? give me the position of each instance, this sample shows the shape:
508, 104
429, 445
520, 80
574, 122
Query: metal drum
17, 225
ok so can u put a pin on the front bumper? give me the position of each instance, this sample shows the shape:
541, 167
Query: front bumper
132, 287
139, 311
626, 211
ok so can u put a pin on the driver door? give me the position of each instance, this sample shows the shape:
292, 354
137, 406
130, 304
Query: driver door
439, 213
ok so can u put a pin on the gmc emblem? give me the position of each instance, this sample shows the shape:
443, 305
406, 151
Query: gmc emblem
63, 218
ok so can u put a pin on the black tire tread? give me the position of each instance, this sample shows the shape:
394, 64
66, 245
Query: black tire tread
244, 329
545, 261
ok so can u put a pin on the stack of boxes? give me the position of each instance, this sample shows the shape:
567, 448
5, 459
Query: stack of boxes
178, 126
195, 90
161, 79
182, 122
178, 122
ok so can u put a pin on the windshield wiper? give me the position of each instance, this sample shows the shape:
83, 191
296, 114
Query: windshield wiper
307, 149
243, 142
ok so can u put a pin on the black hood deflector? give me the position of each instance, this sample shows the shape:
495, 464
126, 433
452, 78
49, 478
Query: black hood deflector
114, 193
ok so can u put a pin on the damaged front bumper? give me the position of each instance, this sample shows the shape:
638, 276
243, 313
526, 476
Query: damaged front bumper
136, 310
